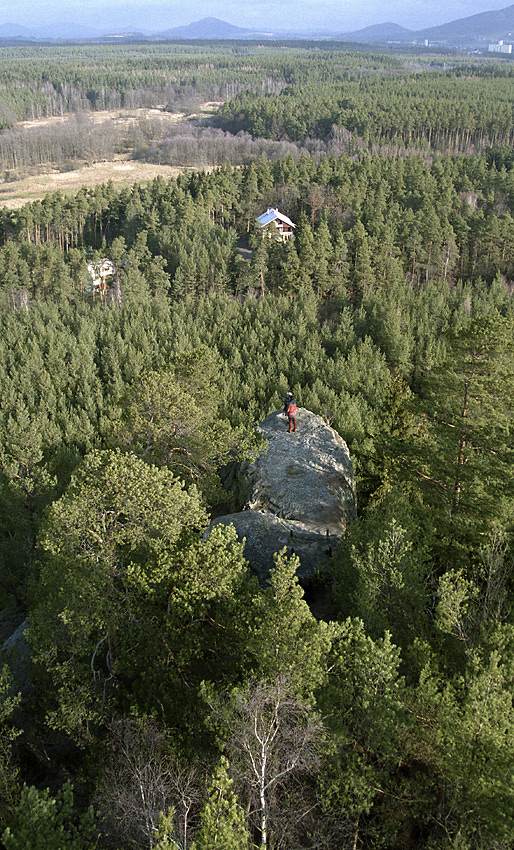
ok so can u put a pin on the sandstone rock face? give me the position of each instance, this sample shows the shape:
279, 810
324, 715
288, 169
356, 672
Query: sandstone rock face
299, 493
16, 653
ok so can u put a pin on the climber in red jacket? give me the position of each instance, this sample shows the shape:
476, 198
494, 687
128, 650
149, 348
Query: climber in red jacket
290, 411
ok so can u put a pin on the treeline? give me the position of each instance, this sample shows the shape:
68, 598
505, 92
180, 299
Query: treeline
77, 139
186, 144
326, 101
44, 81
457, 111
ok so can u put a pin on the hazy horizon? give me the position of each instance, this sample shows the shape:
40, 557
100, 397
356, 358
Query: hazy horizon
159, 15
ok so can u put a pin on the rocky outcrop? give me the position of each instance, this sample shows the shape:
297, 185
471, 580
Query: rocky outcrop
15, 653
299, 493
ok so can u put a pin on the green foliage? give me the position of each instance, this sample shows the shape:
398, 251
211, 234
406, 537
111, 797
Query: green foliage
440, 110
468, 405
288, 641
45, 822
201, 635
164, 836
9, 771
464, 739
389, 314
171, 419
381, 574
223, 822
109, 547
365, 703
457, 596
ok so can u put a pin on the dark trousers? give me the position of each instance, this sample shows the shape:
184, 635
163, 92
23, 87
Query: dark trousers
292, 422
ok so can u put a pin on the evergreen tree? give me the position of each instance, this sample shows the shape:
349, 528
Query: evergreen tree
107, 551
223, 823
368, 719
9, 771
44, 822
289, 642
468, 457
171, 419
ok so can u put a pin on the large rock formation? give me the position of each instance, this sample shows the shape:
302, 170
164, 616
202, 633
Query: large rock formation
299, 493
15, 653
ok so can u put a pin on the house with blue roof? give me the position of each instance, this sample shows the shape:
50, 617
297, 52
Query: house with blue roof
276, 225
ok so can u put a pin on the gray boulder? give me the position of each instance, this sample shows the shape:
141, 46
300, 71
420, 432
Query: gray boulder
16, 653
299, 493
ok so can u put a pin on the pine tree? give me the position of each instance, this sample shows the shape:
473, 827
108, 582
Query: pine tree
469, 405
107, 552
45, 822
289, 641
9, 772
223, 824
164, 836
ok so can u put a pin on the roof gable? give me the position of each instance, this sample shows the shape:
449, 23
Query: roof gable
272, 215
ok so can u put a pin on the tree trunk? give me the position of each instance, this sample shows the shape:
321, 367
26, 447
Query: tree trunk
462, 446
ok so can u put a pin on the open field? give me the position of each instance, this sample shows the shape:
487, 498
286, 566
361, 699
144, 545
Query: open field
128, 116
115, 116
122, 170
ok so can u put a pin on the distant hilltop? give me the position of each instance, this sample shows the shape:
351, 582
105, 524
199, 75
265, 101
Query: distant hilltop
378, 33
207, 28
472, 32
48, 32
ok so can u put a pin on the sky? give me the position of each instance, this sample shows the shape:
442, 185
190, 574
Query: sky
156, 15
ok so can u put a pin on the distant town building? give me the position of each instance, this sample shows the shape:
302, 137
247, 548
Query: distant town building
283, 227
500, 47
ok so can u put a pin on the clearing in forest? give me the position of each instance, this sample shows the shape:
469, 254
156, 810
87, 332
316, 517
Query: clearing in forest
122, 170
14, 195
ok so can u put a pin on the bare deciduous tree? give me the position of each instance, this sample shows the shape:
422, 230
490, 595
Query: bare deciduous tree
273, 737
143, 779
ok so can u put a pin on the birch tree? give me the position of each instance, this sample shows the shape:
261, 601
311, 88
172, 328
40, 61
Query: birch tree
273, 736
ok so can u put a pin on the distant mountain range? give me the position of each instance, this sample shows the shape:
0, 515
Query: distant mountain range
473, 32
484, 27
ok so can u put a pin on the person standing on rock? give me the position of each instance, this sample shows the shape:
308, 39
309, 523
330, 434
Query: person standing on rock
290, 411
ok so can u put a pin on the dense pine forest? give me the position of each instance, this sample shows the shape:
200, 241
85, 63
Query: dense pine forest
278, 99
156, 696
